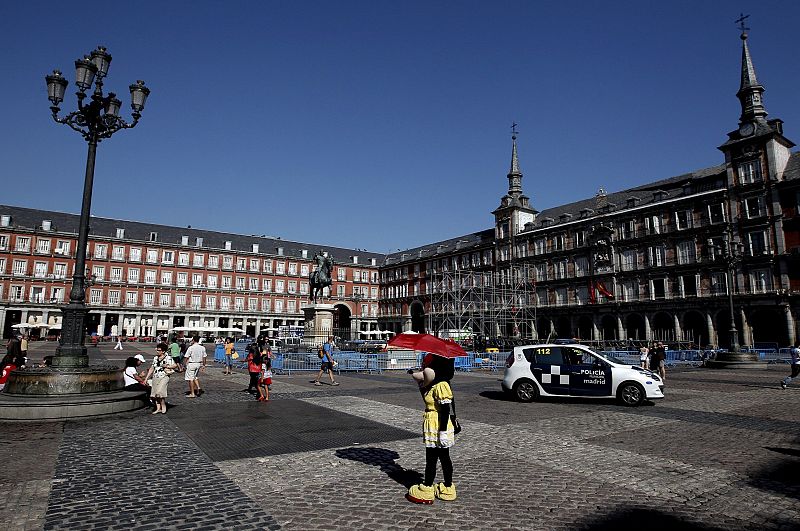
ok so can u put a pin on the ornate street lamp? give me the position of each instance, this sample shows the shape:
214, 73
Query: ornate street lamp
95, 120
357, 297
731, 255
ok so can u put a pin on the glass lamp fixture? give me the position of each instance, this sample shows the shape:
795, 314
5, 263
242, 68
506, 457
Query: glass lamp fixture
85, 71
102, 60
56, 86
139, 95
113, 105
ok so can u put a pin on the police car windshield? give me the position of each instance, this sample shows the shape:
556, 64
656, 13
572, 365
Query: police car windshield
612, 359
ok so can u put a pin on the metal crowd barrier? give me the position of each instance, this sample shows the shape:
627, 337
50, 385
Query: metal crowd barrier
783, 355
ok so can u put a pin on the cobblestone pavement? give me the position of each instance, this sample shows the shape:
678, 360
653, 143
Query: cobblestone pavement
721, 452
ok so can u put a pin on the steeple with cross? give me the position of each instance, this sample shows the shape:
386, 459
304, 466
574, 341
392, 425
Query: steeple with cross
750, 90
515, 209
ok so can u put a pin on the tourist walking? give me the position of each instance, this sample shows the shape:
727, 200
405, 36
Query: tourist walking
229, 350
254, 361
795, 353
437, 428
644, 357
13, 348
118, 346
175, 352
23, 346
326, 355
660, 361
160, 370
265, 379
195, 362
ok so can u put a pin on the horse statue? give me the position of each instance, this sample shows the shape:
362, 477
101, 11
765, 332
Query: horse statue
320, 278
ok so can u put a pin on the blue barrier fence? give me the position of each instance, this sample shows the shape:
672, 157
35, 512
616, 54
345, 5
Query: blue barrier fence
678, 358
350, 361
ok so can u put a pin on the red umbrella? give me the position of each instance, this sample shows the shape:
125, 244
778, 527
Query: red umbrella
427, 343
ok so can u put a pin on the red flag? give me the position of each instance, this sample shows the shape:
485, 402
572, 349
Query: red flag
602, 289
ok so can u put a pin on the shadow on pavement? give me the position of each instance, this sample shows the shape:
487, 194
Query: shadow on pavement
497, 395
505, 397
638, 519
781, 477
385, 460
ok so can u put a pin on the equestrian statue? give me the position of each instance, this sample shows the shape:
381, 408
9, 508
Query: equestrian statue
320, 278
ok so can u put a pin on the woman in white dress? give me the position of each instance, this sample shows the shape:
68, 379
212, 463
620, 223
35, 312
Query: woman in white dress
160, 370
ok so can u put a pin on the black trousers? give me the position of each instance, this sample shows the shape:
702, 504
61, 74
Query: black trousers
432, 455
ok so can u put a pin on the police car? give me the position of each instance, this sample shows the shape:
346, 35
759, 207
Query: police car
575, 370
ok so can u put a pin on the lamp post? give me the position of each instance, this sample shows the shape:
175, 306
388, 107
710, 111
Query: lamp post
731, 255
96, 120
357, 296
734, 358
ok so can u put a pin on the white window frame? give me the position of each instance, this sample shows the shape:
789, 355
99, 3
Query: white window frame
750, 172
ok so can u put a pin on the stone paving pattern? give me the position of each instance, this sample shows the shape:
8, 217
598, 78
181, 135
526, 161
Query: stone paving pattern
721, 452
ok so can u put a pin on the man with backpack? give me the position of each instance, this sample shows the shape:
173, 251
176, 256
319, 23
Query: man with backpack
326, 355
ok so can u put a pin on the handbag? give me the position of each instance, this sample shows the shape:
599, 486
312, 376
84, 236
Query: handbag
454, 420
235, 356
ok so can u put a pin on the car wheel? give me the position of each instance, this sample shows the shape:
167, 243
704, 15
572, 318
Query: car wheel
630, 394
526, 391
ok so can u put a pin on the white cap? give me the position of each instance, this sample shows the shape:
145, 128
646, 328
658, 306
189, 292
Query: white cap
139, 357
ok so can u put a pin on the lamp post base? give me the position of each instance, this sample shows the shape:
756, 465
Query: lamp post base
71, 352
737, 360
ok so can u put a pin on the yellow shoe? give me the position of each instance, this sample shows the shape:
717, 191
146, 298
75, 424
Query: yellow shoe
420, 494
445, 493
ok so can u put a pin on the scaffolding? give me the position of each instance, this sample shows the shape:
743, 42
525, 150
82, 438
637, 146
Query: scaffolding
487, 303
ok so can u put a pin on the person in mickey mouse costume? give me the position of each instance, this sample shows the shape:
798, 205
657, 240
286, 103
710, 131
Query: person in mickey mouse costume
434, 383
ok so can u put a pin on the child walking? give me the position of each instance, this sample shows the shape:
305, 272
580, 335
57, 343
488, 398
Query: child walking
265, 380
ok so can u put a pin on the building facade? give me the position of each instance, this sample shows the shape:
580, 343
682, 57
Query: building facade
646, 263
147, 279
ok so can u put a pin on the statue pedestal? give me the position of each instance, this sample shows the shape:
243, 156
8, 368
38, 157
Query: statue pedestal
737, 360
318, 324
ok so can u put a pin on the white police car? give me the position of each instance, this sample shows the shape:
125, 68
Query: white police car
575, 370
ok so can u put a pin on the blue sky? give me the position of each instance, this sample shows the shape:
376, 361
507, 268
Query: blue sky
381, 125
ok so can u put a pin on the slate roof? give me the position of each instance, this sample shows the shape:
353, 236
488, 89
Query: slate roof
30, 218
474, 240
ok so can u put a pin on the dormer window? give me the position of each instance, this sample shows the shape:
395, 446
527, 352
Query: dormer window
5, 221
632, 202
198, 242
47, 225
184, 240
228, 245
255, 247
660, 195
586, 212
153, 237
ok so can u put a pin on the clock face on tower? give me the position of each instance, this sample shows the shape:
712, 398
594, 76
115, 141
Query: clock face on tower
746, 129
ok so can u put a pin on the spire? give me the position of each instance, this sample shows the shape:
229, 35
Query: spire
750, 90
514, 175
